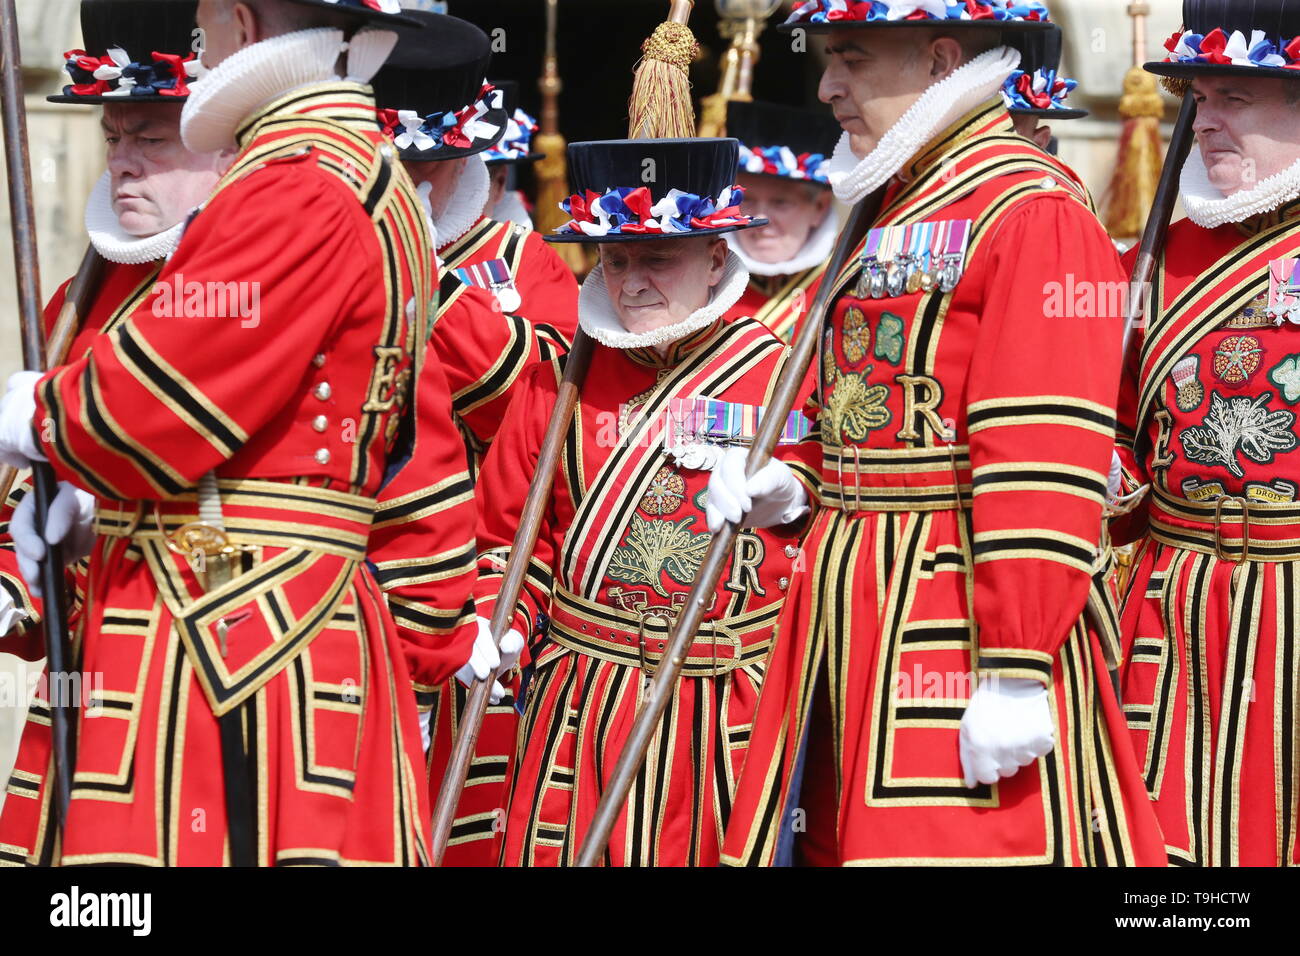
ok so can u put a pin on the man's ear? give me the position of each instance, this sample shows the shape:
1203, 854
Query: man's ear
247, 24
945, 56
718, 249
1042, 135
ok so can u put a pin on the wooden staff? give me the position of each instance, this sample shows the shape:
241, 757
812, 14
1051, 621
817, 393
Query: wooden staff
521, 549
656, 111
1157, 225
76, 302
44, 484
715, 560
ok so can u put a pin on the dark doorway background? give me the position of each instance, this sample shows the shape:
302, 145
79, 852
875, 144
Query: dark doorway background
599, 44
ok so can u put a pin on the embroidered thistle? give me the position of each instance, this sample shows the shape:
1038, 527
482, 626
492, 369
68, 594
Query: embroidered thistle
1239, 422
655, 548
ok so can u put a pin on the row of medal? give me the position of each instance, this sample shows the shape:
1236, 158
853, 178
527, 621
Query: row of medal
913, 257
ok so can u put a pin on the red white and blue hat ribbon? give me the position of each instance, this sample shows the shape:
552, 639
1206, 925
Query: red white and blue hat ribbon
626, 210
517, 141
781, 161
869, 11
1041, 90
459, 128
1235, 49
118, 74
381, 6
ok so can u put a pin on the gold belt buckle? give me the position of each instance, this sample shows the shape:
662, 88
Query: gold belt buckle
645, 616
201, 538
1245, 528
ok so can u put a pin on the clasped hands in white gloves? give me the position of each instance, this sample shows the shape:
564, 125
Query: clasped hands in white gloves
771, 498
1007, 725
18, 447
70, 522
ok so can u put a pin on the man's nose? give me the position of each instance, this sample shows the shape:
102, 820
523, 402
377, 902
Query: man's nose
636, 280
1206, 121
123, 160
831, 86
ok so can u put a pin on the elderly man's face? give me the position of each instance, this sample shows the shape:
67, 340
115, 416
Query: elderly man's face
156, 181
660, 282
792, 210
872, 77
1246, 129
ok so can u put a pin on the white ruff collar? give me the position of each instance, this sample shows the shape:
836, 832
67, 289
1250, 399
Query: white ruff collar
934, 110
468, 198
816, 250
257, 75
116, 244
598, 319
1207, 207
510, 208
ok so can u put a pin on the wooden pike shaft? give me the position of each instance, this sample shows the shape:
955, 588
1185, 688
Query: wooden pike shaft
1157, 225
80, 291
44, 484
521, 550
706, 579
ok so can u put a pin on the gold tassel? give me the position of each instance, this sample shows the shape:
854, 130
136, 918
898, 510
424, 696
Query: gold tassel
661, 106
1137, 170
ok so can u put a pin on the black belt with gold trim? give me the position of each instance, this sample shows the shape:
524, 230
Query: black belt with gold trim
1230, 527
895, 479
254, 512
637, 638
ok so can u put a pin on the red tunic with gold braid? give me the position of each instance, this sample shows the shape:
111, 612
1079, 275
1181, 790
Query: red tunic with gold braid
958, 468
486, 348
270, 714
618, 552
1211, 672
546, 288
779, 302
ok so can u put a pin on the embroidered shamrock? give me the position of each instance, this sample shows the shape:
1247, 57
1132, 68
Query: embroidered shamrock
1286, 376
889, 338
1239, 422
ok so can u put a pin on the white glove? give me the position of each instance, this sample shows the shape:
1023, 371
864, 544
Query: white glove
1007, 725
771, 498
486, 659
10, 613
70, 522
17, 409
1113, 479
426, 731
